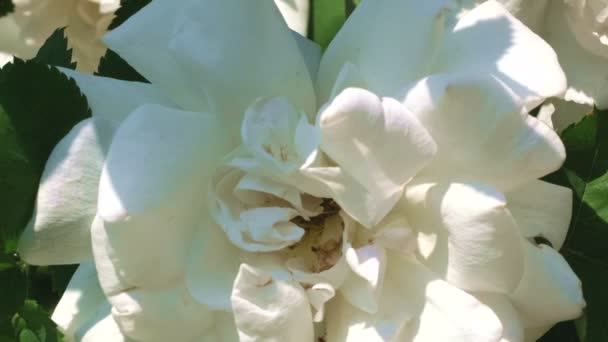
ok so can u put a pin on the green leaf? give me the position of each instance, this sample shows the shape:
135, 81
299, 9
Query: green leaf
112, 65
34, 116
27, 335
6, 7
38, 320
13, 285
55, 51
328, 16
586, 172
126, 10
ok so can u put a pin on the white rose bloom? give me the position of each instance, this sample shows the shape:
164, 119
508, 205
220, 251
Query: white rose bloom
256, 191
578, 32
33, 21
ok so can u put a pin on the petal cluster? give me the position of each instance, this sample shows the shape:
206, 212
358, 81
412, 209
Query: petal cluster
256, 190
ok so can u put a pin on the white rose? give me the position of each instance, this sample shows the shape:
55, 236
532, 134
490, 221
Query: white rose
390, 196
577, 30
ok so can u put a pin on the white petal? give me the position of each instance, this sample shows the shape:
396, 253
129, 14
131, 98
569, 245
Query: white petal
453, 315
223, 329
360, 132
311, 52
415, 306
268, 308
389, 53
83, 312
414, 39
126, 96
363, 287
277, 135
349, 77
482, 133
160, 315
59, 231
212, 73
105, 329
318, 295
295, 13
549, 291
252, 212
475, 243
512, 325
83, 303
513, 53
542, 209
152, 190
212, 266
586, 71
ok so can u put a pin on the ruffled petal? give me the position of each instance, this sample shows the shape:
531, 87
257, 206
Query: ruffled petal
482, 133
415, 306
152, 191
549, 291
59, 231
213, 264
212, 74
415, 39
542, 209
466, 235
358, 130
268, 307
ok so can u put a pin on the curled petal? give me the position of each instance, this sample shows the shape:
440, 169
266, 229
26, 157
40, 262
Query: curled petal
542, 209
466, 235
414, 306
356, 129
547, 279
269, 308
482, 133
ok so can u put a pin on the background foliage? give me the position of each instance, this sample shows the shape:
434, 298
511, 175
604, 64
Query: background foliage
35, 115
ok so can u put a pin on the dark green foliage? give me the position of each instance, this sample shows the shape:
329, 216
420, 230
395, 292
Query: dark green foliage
328, 16
55, 51
38, 107
112, 65
6, 7
586, 172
